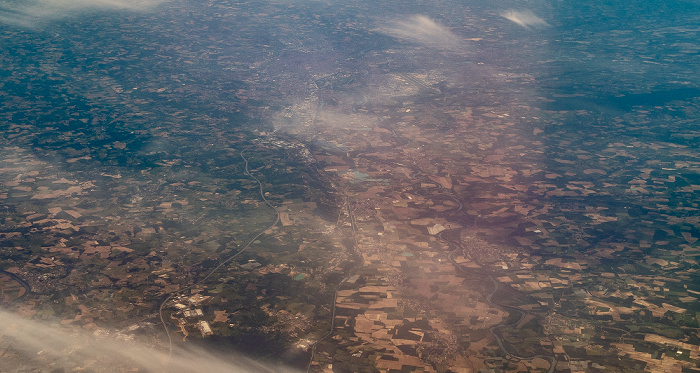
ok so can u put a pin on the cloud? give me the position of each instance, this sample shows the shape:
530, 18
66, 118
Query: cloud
28, 13
524, 18
30, 344
423, 30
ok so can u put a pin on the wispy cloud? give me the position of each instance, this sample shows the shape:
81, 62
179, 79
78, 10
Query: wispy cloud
30, 344
524, 18
423, 30
29, 13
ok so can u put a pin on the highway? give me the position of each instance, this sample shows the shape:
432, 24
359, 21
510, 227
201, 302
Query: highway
335, 293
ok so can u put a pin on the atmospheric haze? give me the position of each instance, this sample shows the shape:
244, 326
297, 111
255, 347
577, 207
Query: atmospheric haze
422, 30
29, 343
524, 18
29, 13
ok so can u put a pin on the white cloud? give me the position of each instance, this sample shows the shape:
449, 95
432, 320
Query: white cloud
28, 13
524, 18
423, 30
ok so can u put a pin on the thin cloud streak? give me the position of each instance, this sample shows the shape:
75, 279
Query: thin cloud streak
422, 30
28, 13
37, 344
524, 18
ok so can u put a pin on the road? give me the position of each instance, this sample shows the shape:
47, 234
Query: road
489, 299
221, 264
335, 293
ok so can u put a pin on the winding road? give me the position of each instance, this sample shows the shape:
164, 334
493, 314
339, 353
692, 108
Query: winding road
220, 265
489, 299
19, 280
